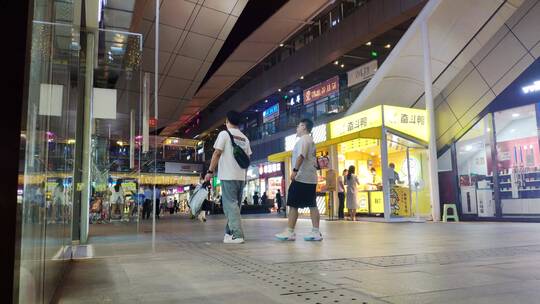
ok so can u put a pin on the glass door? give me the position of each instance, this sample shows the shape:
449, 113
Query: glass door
407, 178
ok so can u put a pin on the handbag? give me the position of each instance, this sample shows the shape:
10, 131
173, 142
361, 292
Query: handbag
239, 154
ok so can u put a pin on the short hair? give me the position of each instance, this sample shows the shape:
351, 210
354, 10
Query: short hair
234, 117
391, 165
308, 123
345, 170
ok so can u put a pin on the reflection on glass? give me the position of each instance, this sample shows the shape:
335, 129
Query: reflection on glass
475, 170
518, 160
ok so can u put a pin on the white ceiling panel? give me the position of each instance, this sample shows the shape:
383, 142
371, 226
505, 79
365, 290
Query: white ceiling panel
251, 51
202, 72
227, 28
150, 10
168, 37
273, 32
148, 60
209, 22
196, 46
234, 68
185, 67
218, 44
176, 12
174, 87
225, 6
239, 7
126, 5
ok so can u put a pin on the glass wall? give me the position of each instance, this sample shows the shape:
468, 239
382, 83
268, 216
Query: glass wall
47, 152
475, 170
83, 116
518, 160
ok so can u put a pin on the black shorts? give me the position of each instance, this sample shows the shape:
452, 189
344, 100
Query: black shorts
302, 195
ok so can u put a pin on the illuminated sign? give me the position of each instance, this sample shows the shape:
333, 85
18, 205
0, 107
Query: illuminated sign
271, 113
535, 87
361, 73
318, 133
321, 90
370, 118
406, 120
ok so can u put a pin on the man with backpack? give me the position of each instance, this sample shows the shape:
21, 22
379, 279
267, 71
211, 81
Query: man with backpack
231, 158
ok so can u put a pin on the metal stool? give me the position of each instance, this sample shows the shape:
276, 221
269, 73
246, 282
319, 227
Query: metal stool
454, 215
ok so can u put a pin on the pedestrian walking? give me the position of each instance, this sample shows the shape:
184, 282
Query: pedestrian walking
231, 153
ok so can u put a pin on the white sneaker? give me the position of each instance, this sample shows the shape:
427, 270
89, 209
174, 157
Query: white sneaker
202, 217
313, 236
286, 236
230, 239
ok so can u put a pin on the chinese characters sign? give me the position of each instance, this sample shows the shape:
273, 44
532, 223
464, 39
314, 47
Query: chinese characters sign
370, 118
407, 120
321, 90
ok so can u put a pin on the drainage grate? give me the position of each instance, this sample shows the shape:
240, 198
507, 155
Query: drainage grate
323, 266
448, 257
339, 296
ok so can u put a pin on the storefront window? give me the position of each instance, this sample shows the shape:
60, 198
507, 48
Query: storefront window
518, 160
475, 170
309, 111
321, 110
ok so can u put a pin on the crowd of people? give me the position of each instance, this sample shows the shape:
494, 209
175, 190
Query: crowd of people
115, 204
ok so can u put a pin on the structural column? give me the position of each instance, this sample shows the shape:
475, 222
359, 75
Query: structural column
430, 109
86, 179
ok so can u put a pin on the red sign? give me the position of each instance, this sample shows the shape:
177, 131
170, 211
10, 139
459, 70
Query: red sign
321, 90
152, 122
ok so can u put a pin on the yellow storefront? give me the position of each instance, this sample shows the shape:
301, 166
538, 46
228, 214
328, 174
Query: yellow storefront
356, 140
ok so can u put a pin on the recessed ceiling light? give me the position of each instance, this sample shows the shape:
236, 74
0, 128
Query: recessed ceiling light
281, 44
291, 91
301, 77
342, 65
279, 90
368, 43
266, 101
336, 62
515, 114
388, 46
256, 110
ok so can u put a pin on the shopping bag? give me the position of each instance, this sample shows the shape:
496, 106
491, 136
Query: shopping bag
199, 195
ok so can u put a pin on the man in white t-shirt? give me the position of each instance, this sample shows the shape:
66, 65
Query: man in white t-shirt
231, 175
303, 188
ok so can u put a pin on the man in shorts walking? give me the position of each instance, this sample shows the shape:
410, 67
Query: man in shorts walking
231, 175
302, 191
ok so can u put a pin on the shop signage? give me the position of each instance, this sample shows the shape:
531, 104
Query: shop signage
409, 121
535, 87
271, 113
361, 73
318, 133
171, 167
370, 118
152, 122
321, 90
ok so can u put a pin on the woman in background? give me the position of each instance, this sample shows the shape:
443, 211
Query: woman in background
351, 180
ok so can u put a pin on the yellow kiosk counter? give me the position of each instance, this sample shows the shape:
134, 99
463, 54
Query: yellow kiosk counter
387, 146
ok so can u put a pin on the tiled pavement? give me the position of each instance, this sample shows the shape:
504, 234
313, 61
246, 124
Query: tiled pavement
362, 262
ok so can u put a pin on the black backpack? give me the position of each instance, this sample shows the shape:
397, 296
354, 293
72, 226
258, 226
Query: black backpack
239, 154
